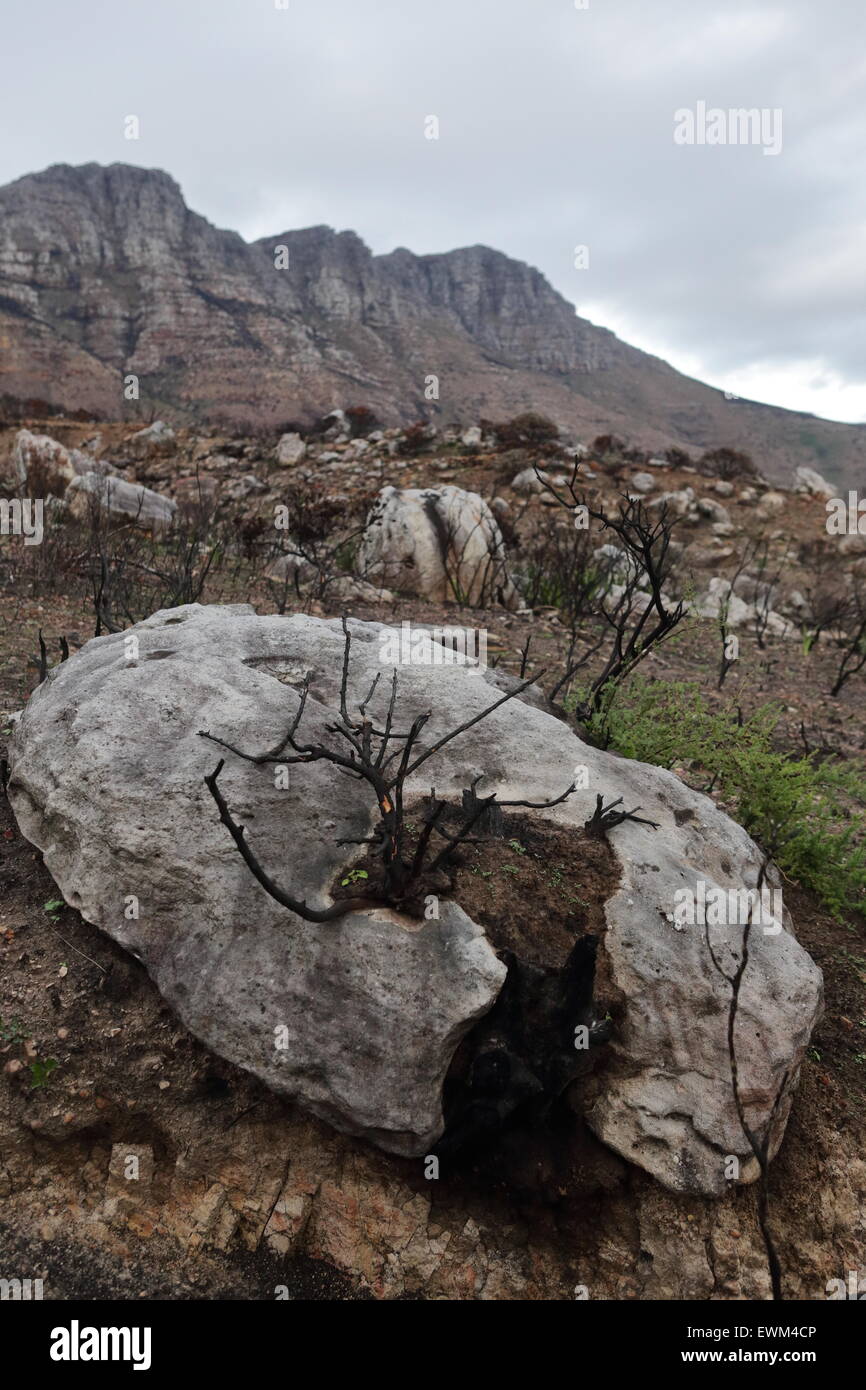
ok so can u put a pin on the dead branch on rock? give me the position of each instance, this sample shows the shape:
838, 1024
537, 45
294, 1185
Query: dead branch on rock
43, 655
759, 1144
636, 626
366, 753
238, 834
605, 818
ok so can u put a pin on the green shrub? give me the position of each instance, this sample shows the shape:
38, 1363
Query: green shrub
805, 812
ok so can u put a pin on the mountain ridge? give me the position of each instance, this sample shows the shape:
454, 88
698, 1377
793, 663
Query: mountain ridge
106, 272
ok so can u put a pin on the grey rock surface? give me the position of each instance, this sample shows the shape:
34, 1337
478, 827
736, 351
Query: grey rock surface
291, 450
811, 481
45, 466
120, 498
442, 543
106, 777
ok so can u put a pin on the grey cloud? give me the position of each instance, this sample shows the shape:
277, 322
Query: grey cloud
556, 129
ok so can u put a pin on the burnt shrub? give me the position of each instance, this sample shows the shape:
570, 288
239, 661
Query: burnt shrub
362, 420
608, 444
728, 464
677, 457
527, 431
415, 438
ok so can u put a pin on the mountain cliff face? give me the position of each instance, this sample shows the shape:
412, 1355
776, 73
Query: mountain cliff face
104, 271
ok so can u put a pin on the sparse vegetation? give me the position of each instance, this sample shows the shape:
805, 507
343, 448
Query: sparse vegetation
527, 431
811, 812
731, 465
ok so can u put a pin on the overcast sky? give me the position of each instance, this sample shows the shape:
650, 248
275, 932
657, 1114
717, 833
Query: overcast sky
556, 130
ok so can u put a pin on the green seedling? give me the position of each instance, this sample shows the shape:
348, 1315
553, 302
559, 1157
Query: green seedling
13, 1031
40, 1070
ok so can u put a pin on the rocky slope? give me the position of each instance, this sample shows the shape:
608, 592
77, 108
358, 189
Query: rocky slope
236, 1193
105, 272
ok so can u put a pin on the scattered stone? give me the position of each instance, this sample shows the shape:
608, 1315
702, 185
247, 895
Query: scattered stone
190, 493
771, 504
336, 426
708, 506
358, 590
118, 498
44, 466
809, 481
291, 450
247, 486
679, 503
719, 592
642, 482
156, 438
708, 556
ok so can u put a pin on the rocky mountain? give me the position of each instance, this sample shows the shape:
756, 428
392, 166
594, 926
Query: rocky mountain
105, 272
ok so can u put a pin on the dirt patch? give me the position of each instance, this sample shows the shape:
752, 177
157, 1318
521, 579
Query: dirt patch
835, 1063
538, 888
535, 886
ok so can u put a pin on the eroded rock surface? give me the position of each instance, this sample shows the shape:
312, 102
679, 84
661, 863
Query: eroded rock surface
442, 543
107, 780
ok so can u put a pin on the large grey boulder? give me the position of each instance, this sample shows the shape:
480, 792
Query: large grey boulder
106, 777
441, 543
44, 466
118, 498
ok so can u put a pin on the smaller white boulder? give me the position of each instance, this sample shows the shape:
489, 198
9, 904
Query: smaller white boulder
291, 450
